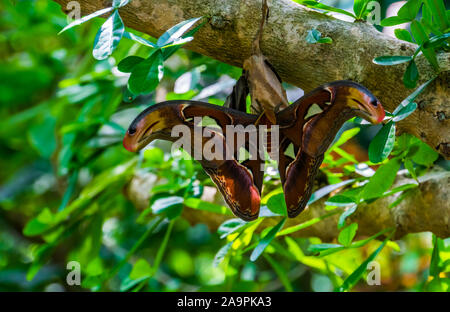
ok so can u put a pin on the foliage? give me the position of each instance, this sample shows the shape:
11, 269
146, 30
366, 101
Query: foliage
314, 36
65, 179
359, 8
431, 33
383, 143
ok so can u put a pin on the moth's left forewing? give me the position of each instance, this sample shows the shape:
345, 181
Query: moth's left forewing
240, 183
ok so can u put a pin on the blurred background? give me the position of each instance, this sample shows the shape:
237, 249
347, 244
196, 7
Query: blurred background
64, 115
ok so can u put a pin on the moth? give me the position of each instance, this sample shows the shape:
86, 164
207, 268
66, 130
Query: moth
308, 125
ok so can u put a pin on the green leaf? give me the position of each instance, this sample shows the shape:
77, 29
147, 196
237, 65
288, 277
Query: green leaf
410, 167
127, 64
393, 20
266, 240
321, 6
421, 37
316, 248
403, 34
364, 242
327, 190
382, 180
42, 136
178, 42
153, 157
172, 206
39, 224
399, 199
435, 263
126, 285
141, 269
221, 254
328, 249
431, 28
416, 92
197, 203
344, 137
436, 41
356, 275
411, 75
347, 213
325, 40
141, 40
383, 143
306, 224
410, 9
359, 7
347, 234
120, 3
86, 18
339, 201
72, 183
403, 142
244, 237
277, 204
102, 181
176, 32
424, 155
230, 226
108, 36
127, 96
427, 15
294, 248
147, 74
314, 36
391, 60
437, 8
400, 188
438, 284
401, 112
169, 51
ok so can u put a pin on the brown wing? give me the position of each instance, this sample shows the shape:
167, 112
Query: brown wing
238, 97
238, 188
240, 183
311, 124
298, 174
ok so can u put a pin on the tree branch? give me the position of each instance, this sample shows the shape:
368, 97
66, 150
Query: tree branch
233, 24
426, 208
228, 36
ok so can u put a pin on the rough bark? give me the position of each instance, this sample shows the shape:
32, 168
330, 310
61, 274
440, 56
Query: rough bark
426, 208
233, 23
227, 37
